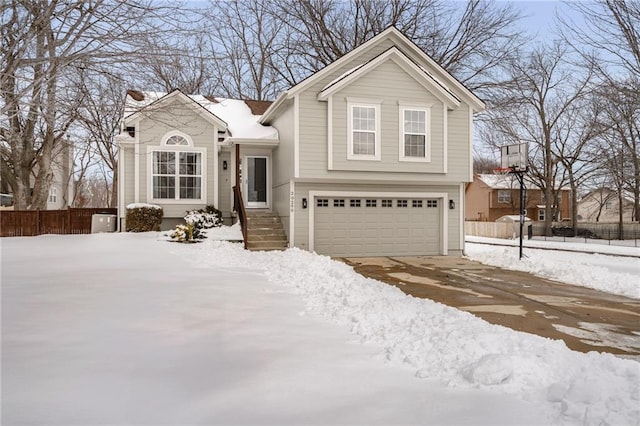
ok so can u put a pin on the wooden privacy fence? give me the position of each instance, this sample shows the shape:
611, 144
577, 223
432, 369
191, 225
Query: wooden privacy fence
24, 223
490, 229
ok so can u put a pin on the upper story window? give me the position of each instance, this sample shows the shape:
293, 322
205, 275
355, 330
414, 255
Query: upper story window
414, 133
504, 196
53, 194
176, 138
364, 131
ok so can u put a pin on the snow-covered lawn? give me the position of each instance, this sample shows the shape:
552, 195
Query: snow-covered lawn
617, 275
131, 329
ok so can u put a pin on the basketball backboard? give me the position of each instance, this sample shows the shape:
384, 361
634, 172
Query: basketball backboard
514, 157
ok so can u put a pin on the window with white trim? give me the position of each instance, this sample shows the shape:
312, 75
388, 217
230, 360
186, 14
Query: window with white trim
364, 131
176, 175
504, 195
53, 194
177, 140
541, 215
414, 134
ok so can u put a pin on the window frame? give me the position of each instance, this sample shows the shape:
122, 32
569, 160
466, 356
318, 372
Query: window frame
501, 193
426, 108
361, 103
177, 149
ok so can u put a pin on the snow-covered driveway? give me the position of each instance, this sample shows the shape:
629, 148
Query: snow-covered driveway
126, 329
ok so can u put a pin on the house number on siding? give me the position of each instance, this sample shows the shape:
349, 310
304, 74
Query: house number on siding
292, 201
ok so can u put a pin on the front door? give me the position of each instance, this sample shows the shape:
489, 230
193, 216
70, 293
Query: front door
256, 183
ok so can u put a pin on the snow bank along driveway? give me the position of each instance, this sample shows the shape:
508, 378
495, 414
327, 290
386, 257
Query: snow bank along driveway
123, 328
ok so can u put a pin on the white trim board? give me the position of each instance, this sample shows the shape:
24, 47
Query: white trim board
444, 209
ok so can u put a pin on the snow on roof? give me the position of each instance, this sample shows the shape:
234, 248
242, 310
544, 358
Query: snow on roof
508, 181
239, 114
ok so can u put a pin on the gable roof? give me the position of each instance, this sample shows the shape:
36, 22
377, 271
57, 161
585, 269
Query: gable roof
239, 117
404, 44
394, 54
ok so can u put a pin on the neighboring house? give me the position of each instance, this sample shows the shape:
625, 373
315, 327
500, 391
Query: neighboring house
62, 189
602, 205
491, 196
368, 156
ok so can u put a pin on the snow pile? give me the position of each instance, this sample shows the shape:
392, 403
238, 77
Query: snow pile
440, 342
616, 275
143, 206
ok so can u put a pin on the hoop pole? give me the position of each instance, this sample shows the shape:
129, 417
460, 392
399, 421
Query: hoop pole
520, 177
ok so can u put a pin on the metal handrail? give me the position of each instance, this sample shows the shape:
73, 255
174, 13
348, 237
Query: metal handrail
238, 207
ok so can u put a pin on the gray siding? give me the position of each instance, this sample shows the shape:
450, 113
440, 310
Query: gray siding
225, 201
283, 155
391, 84
158, 122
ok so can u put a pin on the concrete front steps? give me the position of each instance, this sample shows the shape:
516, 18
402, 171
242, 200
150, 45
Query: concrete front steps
265, 232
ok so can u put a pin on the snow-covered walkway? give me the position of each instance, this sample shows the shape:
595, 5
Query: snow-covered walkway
127, 329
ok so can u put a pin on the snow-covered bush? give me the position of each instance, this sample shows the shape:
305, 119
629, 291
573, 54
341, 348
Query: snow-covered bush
206, 218
186, 233
143, 217
195, 222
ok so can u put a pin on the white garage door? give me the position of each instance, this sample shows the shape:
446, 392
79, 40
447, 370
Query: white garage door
377, 226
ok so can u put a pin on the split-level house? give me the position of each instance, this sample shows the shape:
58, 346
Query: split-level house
368, 156
491, 196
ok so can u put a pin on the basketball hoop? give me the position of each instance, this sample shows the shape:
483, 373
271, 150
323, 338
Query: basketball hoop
502, 170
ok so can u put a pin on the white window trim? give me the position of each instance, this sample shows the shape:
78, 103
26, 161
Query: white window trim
442, 205
53, 194
427, 140
168, 135
363, 103
540, 215
176, 149
508, 191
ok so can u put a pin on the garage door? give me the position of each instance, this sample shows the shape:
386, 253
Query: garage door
376, 226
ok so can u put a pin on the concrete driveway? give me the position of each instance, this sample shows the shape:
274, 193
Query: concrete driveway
586, 319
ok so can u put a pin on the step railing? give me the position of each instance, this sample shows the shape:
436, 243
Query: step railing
238, 207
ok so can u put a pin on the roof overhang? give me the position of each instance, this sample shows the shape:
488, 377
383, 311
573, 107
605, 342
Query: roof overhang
254, 142
178, 95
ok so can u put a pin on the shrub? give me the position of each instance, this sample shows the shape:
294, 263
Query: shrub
206, 218
143, 217
186, 233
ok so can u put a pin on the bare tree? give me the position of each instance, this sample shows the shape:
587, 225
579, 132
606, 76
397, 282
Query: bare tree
609, 42
249, 57
539, 106
42, 42
471, 42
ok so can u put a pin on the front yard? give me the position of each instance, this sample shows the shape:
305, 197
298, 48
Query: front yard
131, 329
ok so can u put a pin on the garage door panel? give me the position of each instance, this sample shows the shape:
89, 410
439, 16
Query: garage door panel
371, 231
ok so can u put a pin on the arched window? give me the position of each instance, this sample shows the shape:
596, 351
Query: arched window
176, 138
